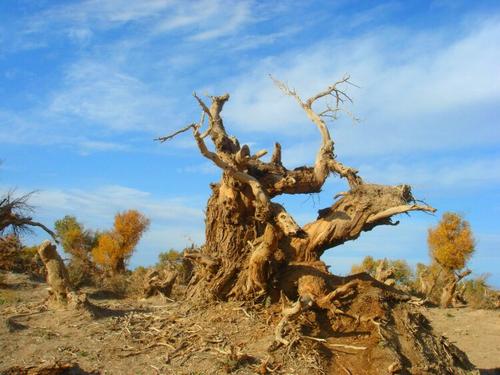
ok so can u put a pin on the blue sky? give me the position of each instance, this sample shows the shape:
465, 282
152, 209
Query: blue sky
85, 86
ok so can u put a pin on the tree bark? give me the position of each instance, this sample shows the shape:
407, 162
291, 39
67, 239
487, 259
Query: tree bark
61, 294
253, 246
57, 275
450, 289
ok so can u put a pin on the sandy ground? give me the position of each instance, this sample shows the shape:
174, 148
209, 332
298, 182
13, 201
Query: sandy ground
476, 332
132, 337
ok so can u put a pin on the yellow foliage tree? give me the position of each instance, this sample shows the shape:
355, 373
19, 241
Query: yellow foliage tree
116, 246
451, 242
451, 245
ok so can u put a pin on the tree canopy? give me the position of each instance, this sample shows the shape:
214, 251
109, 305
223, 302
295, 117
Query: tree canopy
116, 246
451, 242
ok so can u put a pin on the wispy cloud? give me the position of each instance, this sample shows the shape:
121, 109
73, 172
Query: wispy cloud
100, 205
204, 168
430, 93
102, 95
441, 174
102, 146
196, 20
237, 16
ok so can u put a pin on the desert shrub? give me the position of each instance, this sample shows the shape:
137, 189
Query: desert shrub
117, 284
136, 282
174, 260
78, 242
15, 257
451, 245
403, 274
451, 242
81, 274
169, 259
478, 294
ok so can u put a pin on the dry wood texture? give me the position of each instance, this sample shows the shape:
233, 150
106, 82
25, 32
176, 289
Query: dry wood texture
253, 245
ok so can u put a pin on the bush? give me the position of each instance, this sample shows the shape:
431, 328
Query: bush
403, 274
117, 284
136, 282
81, 273
15, 257
478, 294
174, 260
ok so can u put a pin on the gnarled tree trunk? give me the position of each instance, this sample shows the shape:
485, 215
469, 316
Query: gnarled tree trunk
255, 249
253, 246
57, 275
448, 295
61, 293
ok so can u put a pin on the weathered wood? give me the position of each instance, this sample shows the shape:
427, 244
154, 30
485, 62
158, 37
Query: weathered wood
251, 241
57, 275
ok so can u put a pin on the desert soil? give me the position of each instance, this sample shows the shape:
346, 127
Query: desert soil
476, 332
168, 337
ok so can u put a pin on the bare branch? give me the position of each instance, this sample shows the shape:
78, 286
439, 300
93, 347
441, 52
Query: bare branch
170, 136
40, 225
259, 154
261, 197
202, 105
339, 95
398, 210
276, 158
325, 159
186, 128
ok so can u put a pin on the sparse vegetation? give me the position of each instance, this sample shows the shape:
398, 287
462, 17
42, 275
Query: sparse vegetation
396, 270
478, 294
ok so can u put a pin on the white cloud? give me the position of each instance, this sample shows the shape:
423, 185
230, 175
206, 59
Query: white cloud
200, 20
418, 91
100, 205
203, 168
101, 94
444, 174
234, 17
88, 146
100, 13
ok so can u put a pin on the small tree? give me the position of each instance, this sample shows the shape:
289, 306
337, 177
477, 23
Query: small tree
116, 246
451, 245
78, 242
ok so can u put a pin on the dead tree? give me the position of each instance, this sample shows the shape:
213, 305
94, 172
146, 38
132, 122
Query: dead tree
253, 245
15, 215
254, 250
449, 294
159, 282
385, 274
57, 276
61, 293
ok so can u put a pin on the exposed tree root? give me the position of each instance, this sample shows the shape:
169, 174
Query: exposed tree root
255, 251
288, 314
159, 283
